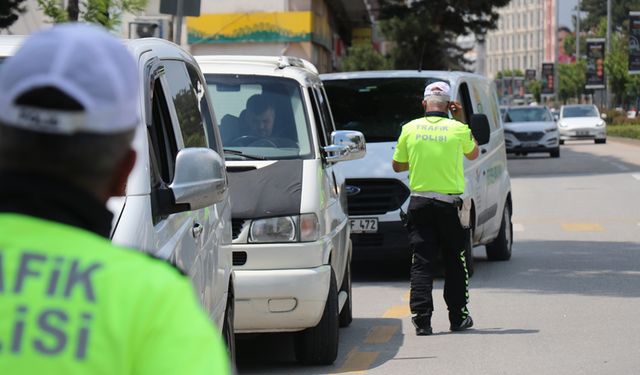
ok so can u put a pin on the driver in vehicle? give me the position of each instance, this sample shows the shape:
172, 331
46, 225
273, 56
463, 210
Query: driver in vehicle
261, 115
259, 120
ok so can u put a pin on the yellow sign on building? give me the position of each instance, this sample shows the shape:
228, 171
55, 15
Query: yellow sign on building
250, 27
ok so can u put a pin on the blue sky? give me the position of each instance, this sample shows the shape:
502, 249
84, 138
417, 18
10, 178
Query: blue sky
566, 11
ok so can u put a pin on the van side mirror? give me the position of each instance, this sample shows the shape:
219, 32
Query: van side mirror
480, 128
199, 181
346, 145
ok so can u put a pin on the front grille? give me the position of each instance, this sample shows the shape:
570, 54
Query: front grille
236, 227
377, 196
239, 258
529, 136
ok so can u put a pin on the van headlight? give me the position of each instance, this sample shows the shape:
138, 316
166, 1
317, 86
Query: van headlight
303, 228
600, 124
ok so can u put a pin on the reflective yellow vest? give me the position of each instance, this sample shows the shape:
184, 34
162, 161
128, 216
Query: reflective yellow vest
73, 303
434, 147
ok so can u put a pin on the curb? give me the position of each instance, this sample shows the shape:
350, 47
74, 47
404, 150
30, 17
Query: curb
629, 141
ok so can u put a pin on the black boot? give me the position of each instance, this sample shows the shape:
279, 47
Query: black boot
466, 323
422, 322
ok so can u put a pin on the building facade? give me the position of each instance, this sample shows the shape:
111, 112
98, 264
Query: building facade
524, 39
316, 30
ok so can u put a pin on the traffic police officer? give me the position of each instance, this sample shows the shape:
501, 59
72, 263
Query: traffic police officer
431, 149
70, 301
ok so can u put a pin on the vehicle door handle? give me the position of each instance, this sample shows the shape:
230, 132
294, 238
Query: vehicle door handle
197, 230
483, 150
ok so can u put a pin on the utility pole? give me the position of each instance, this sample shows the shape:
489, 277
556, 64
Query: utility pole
179, 16
556, 60
578, 32
608, 49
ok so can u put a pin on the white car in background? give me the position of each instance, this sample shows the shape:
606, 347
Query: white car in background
530, 129
582, 121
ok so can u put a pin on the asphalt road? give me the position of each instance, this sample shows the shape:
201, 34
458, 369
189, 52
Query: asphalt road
567, 302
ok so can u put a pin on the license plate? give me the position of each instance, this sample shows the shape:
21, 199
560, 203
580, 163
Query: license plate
364, 225
582, 133
530, 144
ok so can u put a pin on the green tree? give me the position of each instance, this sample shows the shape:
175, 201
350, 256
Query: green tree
10, 10
572, 78
364, 57
535, 88
103, 12
510, 73
597, 9
425, 31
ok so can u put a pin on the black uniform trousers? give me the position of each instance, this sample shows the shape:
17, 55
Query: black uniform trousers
434, 228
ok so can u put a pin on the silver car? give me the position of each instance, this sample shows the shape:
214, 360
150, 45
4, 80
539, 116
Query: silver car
582, 121
529, 129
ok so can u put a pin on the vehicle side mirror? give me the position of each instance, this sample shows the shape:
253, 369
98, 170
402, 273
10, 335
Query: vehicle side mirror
603, 116
199, 181
480, 128
346, 145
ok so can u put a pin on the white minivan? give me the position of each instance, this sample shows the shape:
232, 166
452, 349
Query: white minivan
291, 247
177, 204
378, 104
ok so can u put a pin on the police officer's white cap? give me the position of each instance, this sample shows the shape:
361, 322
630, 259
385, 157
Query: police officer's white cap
440, 89
86, 63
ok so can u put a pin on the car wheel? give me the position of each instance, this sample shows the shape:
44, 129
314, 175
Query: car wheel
228, 330
319, 345
562, 141
555, 153
500, 248
346, 315
468, 252
601, 141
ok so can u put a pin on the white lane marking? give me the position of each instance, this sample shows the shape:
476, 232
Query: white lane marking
636, 176
621, 167
517, 227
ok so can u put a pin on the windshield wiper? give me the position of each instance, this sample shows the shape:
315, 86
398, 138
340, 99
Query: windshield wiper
240, 153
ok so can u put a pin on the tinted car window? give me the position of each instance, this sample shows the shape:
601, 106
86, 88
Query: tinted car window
582, 111
527, 115
186, 99
376, 107
260, 116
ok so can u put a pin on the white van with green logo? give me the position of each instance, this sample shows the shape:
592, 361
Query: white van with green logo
378, 104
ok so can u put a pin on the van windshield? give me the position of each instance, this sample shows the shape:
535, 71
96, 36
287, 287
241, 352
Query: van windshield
260, 117
377, 107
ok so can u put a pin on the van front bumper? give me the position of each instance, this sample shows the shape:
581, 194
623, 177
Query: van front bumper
280, 300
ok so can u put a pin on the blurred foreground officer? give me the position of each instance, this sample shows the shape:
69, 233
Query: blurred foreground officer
70, 301
431, 149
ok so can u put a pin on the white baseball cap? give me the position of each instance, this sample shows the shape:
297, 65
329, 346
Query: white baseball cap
86, 63
440, 88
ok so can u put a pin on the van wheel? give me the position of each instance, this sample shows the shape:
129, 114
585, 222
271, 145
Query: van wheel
468, 252
346, 315
319, 345
500, 248
600, 141
228, 330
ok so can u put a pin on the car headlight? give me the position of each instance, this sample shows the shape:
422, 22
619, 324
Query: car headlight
550, 130
600, 124
309, 228
562, 124
303, 228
